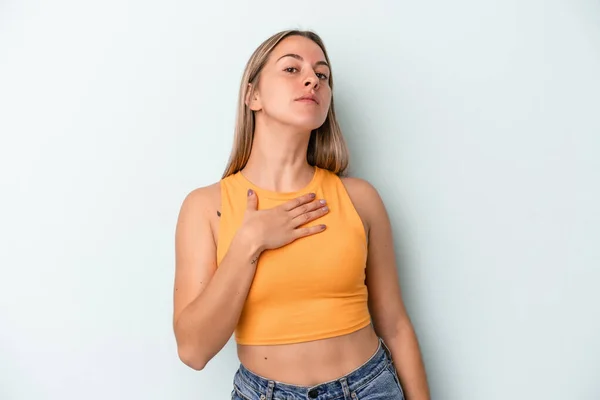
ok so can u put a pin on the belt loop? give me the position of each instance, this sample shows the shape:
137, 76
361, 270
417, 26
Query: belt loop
270, 390
345, 388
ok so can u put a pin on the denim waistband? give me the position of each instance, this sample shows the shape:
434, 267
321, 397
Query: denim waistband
339, 388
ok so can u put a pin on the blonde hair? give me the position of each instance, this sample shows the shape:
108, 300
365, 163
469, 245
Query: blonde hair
326, 147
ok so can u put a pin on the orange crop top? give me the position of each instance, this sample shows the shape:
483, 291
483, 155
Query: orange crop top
312, 288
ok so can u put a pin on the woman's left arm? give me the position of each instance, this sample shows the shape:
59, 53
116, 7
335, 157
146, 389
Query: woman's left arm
388, 312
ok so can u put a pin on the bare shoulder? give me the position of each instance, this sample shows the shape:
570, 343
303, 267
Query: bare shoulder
202, 206
365, 197
204, 198
358, 185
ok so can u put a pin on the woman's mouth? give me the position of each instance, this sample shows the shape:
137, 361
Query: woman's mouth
308, 99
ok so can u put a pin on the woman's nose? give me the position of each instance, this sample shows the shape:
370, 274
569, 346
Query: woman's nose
312, 80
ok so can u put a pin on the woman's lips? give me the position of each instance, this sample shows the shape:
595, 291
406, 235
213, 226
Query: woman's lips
308, 99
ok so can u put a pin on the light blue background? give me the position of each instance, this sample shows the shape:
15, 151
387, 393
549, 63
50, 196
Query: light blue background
478, 121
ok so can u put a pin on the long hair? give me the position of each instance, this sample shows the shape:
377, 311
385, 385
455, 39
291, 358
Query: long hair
326, 147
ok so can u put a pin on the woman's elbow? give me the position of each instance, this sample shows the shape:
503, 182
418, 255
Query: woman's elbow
191, 358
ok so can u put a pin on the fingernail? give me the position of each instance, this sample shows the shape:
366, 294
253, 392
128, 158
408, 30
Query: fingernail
322, 201
312, 195
250, 192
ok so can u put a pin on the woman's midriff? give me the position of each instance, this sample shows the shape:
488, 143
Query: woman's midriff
311, 363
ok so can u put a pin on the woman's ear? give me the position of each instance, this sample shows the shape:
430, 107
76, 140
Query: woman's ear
252, 99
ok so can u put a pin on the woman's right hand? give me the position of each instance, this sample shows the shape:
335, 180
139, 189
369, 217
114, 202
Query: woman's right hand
281, 225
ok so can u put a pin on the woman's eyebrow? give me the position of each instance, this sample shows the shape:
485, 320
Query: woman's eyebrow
299, 58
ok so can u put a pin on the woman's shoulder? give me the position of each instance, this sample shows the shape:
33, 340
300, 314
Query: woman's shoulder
357, 184
201, 208
204, 194
365, 198
202, 201
360, 189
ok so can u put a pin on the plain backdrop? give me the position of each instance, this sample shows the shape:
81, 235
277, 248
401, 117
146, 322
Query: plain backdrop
477, 121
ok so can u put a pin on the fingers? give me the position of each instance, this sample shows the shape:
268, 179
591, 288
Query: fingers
302, 232
298, 201
308, 216
306, 208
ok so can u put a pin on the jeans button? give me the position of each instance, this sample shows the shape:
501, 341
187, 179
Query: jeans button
313, 393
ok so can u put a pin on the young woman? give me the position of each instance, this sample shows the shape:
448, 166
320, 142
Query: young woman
291, 254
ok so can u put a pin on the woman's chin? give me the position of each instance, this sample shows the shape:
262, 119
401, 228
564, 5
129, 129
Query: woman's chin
307, 124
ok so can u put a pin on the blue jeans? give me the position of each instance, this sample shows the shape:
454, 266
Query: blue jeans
375, 379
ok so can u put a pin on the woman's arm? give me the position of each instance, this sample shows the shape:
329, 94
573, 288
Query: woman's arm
207, 300
388, 312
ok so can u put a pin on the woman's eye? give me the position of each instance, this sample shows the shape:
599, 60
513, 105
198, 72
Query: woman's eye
291, 70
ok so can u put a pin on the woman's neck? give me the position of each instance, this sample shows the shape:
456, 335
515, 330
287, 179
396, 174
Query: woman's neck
278, 159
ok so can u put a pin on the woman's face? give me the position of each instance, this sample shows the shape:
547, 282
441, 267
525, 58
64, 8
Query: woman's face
293, 88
